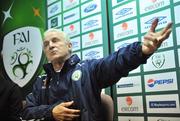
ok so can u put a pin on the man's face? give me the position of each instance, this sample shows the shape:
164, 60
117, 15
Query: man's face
56, 47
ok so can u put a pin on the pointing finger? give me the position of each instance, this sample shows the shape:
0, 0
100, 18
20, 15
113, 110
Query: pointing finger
154, 25
164, 36
166, 28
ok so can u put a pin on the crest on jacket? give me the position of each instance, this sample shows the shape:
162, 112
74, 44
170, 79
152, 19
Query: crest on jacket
76, 75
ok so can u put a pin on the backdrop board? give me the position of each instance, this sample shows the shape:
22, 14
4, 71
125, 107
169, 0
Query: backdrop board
85, 22
150, 92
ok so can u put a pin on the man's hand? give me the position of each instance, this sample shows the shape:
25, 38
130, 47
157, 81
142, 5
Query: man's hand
61, 112
153, 40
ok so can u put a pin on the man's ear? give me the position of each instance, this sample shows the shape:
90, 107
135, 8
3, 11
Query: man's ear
70, 45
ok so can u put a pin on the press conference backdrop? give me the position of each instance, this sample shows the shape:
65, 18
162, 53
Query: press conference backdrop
86, 24
22, 25
97, 28
152, 91
149, 93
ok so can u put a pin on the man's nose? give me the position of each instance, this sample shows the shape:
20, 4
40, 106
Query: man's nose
51, 45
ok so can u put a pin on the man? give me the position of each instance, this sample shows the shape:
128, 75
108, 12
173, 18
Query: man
71, 89
10, 99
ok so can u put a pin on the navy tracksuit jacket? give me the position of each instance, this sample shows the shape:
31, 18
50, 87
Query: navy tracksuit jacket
81, 81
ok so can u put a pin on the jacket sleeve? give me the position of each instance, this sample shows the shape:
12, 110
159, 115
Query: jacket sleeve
107, 71
15, 104
34, 108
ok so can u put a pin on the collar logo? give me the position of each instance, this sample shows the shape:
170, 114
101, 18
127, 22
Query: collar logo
76, 75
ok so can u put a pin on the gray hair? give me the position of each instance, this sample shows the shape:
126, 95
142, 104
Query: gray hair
58, 31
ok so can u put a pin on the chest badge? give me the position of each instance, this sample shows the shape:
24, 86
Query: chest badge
76, 75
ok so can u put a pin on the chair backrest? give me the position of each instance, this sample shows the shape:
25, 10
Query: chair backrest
107, 107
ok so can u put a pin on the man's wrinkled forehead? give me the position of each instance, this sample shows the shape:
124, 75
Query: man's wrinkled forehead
51, 35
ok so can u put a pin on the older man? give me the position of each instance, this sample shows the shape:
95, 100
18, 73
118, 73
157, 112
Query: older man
71, 88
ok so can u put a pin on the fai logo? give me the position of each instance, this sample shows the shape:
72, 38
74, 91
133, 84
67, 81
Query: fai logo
54, 22
158, 60
76, 75
22, 50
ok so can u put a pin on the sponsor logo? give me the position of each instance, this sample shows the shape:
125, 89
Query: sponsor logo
91, 36
54, 22
129, 108
124, 12
91, 23
124, 26
162, 104
160, 18
152, 82
54, 9
154, 6
92, 53
90, 8
158, 60
74, 44
126, 32
71, 27
125, 85
69, 16
129, 100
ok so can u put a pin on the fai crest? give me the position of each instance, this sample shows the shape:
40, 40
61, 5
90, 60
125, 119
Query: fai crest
76, 75
22, 51
158, 60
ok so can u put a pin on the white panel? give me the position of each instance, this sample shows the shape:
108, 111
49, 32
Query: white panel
123, 12
178, 35
163, 16
93, 53
130, 118
92, 38
176, 12
168, 103
71, 16
91, 23
151, 5
125, 29
55, 22
160, 61
68, 4
54, 9
161, 82
129, 85
72, 29
76, 43
130, 104
163, 119
90, 8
